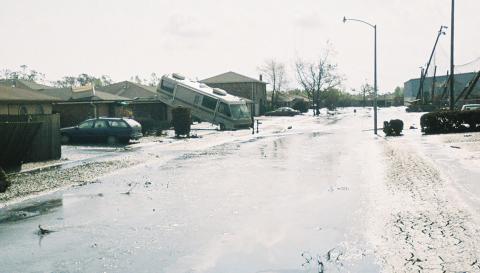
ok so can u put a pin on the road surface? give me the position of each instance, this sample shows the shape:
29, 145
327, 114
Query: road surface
325, 195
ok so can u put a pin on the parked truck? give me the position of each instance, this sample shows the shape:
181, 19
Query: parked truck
207, 104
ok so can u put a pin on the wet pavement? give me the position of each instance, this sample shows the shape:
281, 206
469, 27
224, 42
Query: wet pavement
323, 196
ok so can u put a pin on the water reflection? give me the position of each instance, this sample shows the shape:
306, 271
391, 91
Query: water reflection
30, 210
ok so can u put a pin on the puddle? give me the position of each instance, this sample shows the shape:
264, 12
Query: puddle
30, 210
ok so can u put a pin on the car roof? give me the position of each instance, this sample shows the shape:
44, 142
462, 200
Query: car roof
106, 118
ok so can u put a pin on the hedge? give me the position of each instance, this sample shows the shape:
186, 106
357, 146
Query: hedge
450, 122
301, 105
181, 121
4, 183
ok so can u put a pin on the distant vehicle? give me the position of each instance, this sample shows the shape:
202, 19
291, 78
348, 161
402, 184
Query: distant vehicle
470, 107
207, 104
283, 111
111, 130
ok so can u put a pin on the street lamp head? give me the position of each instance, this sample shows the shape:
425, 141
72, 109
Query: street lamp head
442, 30
344, 19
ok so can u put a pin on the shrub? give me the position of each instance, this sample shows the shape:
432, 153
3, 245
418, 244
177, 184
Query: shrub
4, 183
181, 121
450, 122
393, 128
300, 105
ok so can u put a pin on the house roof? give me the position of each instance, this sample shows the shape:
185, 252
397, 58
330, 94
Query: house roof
88, 93
25, 84
230, 77
131, 90
15, 94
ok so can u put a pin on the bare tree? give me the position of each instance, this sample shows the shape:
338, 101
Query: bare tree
154, 79
276, 77
367, 91
316, 77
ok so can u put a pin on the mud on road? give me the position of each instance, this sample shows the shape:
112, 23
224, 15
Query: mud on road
427, 227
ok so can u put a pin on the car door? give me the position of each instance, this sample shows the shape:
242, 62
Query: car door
100, 130
84, 131
119, 129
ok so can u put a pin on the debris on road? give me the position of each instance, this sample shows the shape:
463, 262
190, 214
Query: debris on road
44, 231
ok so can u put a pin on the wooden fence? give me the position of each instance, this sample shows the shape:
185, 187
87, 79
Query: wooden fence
45, 143
16, 141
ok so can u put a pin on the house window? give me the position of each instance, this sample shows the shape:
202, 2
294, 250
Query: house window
167, 86
40, 110
209, 103
23, 110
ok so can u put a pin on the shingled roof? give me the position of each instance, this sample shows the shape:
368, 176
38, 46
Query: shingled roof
88, 93
131, 90
25, 84
230, 77
14, 94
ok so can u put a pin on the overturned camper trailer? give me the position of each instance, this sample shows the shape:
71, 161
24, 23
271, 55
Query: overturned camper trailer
208, 104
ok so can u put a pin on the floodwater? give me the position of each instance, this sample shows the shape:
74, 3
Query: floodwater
283, 201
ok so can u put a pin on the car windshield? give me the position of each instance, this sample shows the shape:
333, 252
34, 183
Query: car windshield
239, 111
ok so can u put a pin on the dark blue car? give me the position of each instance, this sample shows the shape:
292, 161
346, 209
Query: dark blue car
111, 130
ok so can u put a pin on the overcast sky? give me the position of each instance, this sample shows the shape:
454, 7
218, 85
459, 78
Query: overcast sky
202, 38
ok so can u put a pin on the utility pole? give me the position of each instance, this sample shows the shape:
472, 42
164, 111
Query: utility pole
452, 58
433, 83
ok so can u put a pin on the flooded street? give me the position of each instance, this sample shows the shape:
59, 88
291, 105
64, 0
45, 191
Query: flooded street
324, 196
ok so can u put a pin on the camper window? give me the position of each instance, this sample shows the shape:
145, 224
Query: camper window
239, 111
167, 86
223, 109
196, 100
209, 103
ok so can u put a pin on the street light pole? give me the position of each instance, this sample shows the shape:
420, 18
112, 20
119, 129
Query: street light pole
375, 86
452, 65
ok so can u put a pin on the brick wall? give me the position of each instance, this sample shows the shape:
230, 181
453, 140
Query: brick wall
245, 90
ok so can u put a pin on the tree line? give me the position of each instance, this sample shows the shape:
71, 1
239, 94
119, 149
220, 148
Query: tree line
24, 73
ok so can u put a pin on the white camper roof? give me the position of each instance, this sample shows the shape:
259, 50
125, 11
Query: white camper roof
208, 90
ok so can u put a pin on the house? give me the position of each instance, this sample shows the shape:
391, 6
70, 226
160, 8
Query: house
29, 129
242, 86
285, 99
144, 103
17, 102
80, 103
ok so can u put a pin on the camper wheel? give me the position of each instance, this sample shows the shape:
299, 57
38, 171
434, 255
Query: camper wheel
222, 127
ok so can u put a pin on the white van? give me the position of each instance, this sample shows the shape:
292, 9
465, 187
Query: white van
208, 104
470, 107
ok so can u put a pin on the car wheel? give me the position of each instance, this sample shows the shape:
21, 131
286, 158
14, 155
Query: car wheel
64, 139
111, 140
222, 127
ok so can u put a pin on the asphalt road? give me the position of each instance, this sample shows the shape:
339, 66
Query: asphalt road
324, 196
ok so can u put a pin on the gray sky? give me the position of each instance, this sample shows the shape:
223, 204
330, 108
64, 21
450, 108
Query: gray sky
202, 38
